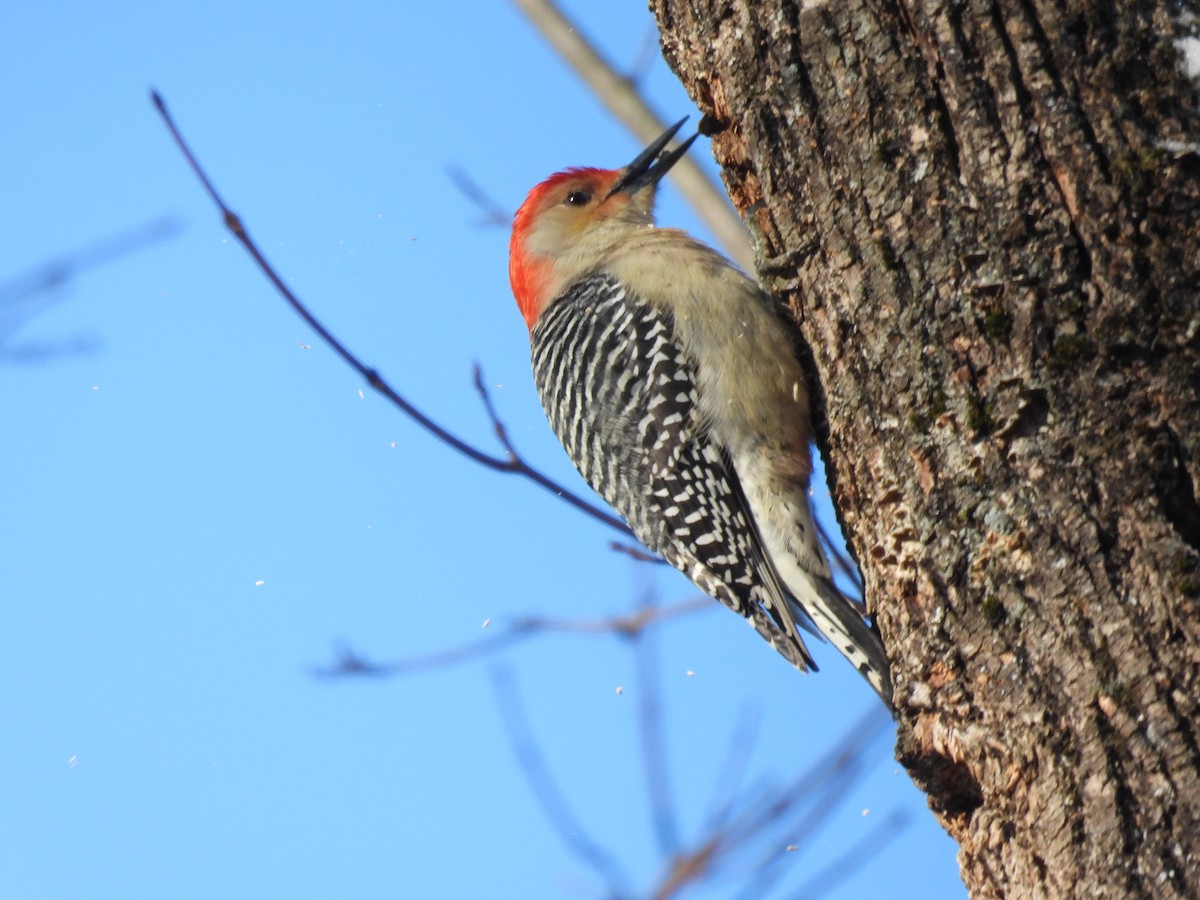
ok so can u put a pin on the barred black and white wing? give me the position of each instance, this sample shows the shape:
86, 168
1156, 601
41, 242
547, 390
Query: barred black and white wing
621, 396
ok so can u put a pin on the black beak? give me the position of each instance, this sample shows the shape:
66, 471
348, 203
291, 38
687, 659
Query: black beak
649, 166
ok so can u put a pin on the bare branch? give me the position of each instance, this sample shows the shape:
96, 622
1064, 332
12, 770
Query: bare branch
351, 664
512, 463
638, 553
30, 293
729, 779
494, 215
805, 806
549, 795
497, 425
750, 831
650, 729
645, 56
841, 562
850, 861
56, 272
771, 820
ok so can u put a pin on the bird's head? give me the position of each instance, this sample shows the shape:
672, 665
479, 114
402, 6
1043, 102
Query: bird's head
570, 222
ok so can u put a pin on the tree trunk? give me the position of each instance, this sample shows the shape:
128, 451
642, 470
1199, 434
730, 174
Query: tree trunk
986, 218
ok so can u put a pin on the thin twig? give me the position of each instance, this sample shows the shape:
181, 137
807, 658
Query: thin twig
498, 425
637, 553
351, 664
769, 818
494, 215
512, 463
810, 801
841, 562
56, 272
650, 730
850, 861
734, 765
549, 795
30, 293
645, 56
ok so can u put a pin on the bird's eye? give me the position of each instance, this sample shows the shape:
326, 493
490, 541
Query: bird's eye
578, 198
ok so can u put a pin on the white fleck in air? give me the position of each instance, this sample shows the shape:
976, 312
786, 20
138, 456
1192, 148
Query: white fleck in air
73, 762
486, 623
360, 394
259, 583
620, 690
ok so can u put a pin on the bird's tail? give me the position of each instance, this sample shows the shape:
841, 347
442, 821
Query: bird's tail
835, 616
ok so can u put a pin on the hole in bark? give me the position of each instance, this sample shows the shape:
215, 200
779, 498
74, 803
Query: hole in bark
1175, 490
1183, 513
953, 791
710, 125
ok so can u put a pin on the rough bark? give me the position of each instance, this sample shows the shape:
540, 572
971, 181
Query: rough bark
987, 223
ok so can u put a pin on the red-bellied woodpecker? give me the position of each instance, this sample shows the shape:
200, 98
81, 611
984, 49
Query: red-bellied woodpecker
674, 388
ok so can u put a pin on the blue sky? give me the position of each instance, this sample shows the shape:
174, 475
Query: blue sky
201, 503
